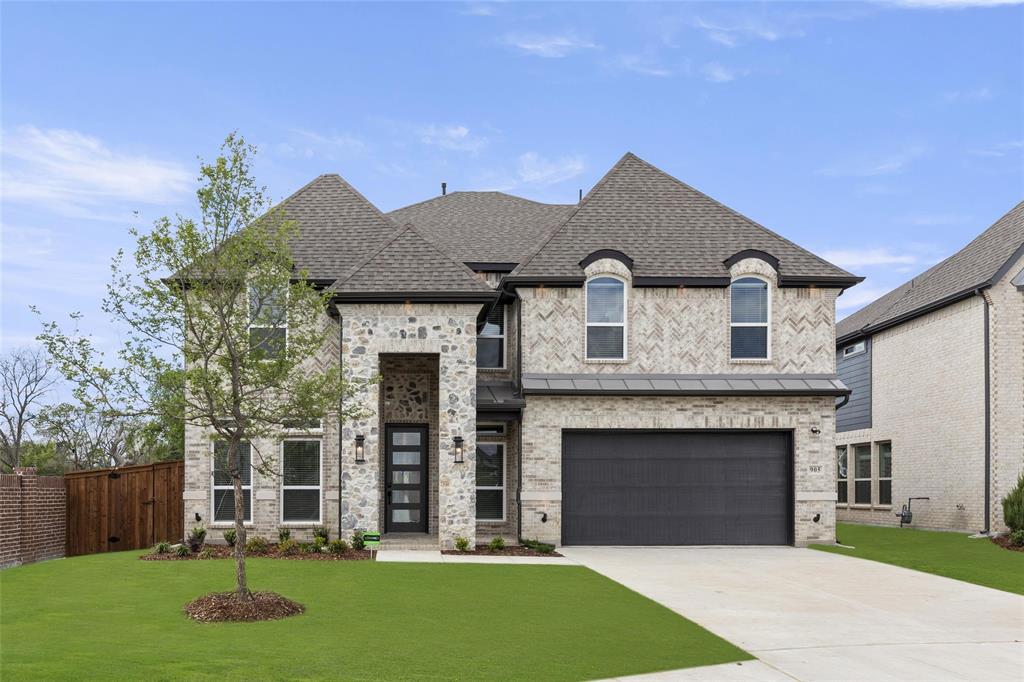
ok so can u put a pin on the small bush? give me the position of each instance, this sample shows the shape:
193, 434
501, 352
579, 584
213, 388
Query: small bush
319, 542
357, 540
182, 550
1017, 538
162, 548
207, 553
462, 544
288, 547
497, 544
284, 534
1013, 506
256, 545
196, 538
538, 546
321, 533
230, 537
338, 546
309, 547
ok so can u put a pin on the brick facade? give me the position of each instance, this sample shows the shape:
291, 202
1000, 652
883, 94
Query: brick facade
32, 517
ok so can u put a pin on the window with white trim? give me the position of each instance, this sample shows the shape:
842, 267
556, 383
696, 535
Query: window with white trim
223, 493
606, 318
885, 473
490, 482
855, 349
750, 311
268, 324
842, 471
862, 474
300, 481
490, 341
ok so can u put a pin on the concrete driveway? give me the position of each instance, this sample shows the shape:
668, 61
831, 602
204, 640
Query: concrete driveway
810, 615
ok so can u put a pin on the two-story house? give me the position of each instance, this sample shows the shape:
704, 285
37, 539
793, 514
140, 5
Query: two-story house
936, 369
644, 367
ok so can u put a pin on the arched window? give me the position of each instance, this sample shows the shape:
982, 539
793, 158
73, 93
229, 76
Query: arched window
751, 314
606, 318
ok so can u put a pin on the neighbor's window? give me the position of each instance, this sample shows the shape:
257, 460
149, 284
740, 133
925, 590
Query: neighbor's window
490, 482
841, 473
855, 349
862, 474
606, 319
749, 338
223, 491
490, 341
268, 326
300, 481
885, 473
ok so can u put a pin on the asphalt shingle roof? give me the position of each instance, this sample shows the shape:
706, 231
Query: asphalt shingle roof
483, 227
974, 266
668, 228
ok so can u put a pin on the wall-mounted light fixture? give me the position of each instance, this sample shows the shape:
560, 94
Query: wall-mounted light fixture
815, 430
360, 449
459, 454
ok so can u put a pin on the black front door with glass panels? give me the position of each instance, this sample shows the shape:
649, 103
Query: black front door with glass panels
405, 487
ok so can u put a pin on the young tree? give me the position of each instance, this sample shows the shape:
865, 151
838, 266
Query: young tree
24, 379
217, 311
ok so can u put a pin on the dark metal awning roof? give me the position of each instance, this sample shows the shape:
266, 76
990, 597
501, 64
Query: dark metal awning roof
684, 384
497, 396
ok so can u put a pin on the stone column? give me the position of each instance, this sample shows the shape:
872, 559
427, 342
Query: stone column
457, 481
360, 484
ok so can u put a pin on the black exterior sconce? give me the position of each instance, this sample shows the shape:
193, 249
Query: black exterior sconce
459, 450
360, 449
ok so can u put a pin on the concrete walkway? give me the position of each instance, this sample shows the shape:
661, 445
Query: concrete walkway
810, 615
435, 557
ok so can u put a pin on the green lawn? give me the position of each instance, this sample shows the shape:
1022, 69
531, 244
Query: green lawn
953, 555
113, 616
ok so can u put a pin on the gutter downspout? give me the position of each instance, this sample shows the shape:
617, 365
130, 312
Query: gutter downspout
988, 418
846, 399
519, 428
341, 407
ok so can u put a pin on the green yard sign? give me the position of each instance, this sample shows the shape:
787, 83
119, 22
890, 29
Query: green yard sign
371, 540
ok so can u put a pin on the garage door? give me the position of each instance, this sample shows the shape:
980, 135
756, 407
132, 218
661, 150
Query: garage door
676, 488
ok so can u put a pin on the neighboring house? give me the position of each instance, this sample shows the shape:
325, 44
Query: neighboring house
644, 367
936, 369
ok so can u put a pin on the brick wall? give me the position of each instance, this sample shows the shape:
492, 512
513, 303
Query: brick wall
32, 517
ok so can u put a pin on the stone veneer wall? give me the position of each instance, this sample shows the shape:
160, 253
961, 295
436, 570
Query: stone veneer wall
546, 416
449, 332
682, 330
928, 399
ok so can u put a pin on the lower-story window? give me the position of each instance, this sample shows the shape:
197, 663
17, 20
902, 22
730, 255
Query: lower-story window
490, 482
223, 490
885, 473
862, 474
842, 484
300, 481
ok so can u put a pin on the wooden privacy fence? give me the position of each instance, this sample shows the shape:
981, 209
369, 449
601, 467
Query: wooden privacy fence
110, 510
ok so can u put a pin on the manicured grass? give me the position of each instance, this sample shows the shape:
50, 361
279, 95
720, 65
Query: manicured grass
953, 555
115, 617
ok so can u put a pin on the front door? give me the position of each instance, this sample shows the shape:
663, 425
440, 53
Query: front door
405, 486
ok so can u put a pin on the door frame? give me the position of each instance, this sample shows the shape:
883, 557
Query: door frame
424, 486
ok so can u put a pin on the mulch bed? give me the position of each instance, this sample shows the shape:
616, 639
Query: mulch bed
219, 607
1004, 542
225, 552
510, 550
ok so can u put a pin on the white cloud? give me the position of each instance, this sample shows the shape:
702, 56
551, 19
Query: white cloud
858, 258
949, 4
548, 46
452, 137
309, 143
642, 64
719, 73
71, 172
751, 27
1014, 147
863, 167
935, 219
973, 95
477, 9
858, 297
536, 170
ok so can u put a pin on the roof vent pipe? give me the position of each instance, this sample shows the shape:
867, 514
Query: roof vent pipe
444, 188
581, 196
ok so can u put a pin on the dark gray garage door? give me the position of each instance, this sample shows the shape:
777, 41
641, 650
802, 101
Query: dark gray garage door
676, 488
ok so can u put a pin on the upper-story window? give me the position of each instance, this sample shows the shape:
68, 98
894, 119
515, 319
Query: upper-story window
606, 318
268, 323
490, 341
855, 349
750, 321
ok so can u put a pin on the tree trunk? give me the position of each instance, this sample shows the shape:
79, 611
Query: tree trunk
234, 467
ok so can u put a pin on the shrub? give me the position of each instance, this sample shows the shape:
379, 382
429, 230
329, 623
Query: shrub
538, 546
207, 553
497, 544
338, 546
162, 548
357, 540
309, 547
321, 533
196, 538
182, 550
256, 545
284, 534
1013, 506
319, 542
230, 537
288, 547
462, 544
1017, 538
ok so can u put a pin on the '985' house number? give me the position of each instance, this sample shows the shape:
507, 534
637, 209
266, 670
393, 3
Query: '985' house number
814, 468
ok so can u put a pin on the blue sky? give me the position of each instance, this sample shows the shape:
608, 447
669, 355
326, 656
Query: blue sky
882, 135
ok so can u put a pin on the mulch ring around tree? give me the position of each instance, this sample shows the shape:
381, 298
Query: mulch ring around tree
272, 552
220, 607
1005, 542
509, 550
